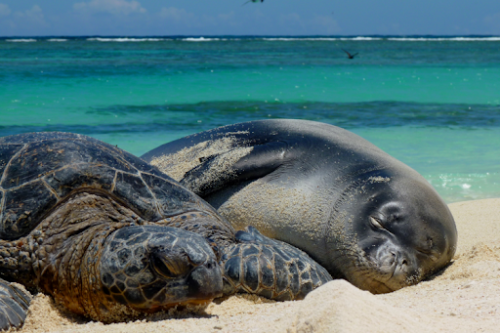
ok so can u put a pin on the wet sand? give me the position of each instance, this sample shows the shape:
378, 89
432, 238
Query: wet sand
465, 297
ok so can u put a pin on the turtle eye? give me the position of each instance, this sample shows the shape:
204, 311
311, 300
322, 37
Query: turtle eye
168, 266
376, 223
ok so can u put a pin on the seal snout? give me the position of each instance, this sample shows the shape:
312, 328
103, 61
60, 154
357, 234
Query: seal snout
394, 264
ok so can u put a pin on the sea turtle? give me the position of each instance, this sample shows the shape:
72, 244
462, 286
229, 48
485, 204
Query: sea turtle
111, 237
359, 212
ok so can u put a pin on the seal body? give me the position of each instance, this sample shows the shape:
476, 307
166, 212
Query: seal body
359, 212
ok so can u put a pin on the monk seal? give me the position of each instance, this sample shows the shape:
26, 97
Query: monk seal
362, 214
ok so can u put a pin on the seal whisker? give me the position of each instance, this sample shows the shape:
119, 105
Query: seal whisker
316, 186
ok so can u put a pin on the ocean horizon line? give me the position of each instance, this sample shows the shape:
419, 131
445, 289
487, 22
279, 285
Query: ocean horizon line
207, 38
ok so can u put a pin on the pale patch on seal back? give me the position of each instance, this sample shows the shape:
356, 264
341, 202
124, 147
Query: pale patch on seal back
176, 165
236, 133
221, 166
379, 179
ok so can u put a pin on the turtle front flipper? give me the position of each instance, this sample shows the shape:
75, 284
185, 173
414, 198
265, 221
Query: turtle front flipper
14, 303
267, 267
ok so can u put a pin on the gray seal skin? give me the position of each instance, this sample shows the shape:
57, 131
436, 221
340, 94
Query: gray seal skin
110, 237
359, 212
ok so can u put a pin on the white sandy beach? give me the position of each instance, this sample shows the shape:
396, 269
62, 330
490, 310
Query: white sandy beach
465, 297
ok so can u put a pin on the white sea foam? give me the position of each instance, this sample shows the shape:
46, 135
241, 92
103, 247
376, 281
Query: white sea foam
357, 38
361, 38
21, 40
203, 39
438, 39
121, 40
320, 38
287, 39
291, 39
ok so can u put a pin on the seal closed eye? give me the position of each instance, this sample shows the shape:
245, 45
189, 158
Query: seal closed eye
359, 212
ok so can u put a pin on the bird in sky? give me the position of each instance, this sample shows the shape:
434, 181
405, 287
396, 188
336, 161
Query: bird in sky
252, 1
349, 55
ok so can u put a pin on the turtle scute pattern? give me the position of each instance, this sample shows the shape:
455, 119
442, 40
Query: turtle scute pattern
270, 268
55, 164
127, 278
255, 264
110, 237
64, 200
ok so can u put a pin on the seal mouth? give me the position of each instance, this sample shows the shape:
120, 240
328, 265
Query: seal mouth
378, 285
367, 272
398, 277
375, 285
386, 269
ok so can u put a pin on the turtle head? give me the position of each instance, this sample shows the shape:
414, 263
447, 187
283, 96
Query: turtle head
147, 268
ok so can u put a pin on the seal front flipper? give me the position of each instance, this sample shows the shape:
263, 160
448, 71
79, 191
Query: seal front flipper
14, 303
242, 163
359, 212
267, 267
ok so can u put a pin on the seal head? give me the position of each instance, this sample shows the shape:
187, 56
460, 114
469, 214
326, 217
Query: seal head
389, 241
359, 212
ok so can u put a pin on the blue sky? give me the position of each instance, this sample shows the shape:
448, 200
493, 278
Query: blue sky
229, 17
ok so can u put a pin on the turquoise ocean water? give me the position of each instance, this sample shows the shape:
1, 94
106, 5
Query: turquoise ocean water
432, 102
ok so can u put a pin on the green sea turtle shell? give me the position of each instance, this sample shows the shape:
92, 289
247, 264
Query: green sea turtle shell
39, 171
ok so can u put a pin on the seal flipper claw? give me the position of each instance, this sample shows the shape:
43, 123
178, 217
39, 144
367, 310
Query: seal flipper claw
14, 303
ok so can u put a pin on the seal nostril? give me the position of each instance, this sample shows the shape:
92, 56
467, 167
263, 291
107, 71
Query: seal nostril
404, 262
